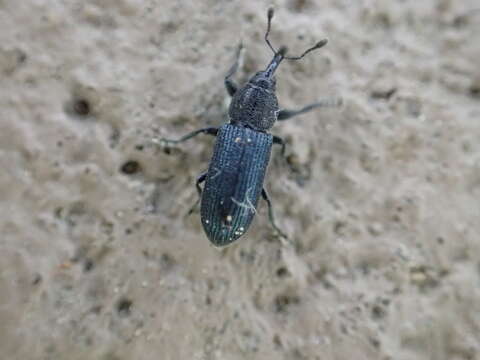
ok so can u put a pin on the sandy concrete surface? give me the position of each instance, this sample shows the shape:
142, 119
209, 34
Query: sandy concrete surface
380, 197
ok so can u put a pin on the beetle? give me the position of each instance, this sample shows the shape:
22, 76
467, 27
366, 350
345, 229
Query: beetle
234, 179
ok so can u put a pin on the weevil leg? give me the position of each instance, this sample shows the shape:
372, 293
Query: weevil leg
210, 131
200, 180
285, 114
279, 141
229, 83
271, 216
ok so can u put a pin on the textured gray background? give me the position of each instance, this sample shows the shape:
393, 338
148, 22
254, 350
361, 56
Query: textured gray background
380, 197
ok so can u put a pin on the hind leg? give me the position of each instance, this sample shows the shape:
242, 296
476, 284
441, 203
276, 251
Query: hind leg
271, 215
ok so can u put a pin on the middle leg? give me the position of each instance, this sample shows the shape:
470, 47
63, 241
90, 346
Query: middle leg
210, 131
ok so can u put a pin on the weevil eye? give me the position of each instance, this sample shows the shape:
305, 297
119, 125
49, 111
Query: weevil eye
262, 81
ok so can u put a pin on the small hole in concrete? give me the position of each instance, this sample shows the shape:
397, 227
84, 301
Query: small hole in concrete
81, 107
124, 307
282, 272
130, 167
88, 265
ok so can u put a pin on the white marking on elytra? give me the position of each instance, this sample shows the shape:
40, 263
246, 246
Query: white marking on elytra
217, 172
247, 203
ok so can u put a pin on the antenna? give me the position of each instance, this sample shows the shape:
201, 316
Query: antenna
283, 49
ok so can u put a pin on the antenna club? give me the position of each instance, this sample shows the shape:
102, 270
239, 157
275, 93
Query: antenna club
321, 43
282, 51
270, 13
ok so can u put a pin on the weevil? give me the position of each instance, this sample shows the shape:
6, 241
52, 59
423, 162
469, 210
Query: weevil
234, 179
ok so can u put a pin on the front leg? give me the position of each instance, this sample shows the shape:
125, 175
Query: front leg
229, 83
286, 114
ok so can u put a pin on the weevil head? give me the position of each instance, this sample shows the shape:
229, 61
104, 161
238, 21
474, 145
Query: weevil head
256, 105
266, 79
263, 81
277, 59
